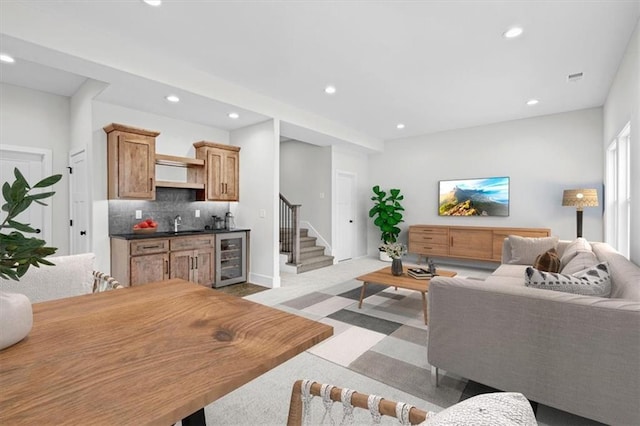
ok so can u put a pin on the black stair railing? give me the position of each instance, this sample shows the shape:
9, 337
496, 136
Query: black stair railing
290, 229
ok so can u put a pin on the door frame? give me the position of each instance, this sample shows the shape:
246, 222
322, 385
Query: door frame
354, 209
47, 167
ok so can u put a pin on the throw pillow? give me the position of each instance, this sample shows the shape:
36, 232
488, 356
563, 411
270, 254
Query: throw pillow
549, 261
489, 409
581, 261
577, 245
524, 250
595, 281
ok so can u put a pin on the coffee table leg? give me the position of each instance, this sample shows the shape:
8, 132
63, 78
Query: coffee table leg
424, 306
364, 286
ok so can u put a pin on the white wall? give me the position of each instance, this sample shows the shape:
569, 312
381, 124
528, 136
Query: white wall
31, 118
541, 155
259, 188
622, 106
305, 178
357, 163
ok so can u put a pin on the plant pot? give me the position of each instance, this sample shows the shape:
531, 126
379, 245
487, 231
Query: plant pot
16, 318
396, 267
385, 257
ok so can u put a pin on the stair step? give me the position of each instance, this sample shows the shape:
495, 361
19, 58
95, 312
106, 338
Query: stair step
309, 252
307, 242
304, 232
315, 263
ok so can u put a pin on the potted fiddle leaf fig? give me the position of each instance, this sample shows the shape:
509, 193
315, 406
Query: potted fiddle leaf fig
387, 213
18, 253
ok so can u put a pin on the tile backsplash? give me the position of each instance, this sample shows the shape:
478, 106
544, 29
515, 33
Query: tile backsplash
169, 203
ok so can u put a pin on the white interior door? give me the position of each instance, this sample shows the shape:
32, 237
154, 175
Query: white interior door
345, 211
79, 237
34, 164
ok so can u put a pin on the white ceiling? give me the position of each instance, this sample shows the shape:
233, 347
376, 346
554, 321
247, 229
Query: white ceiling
432, 65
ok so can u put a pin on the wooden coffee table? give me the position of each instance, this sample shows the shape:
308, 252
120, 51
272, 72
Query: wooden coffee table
384, 277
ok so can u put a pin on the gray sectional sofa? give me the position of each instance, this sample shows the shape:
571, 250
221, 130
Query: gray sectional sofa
580, 354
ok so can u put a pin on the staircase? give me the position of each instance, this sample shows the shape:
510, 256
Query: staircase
311, 255
303, 254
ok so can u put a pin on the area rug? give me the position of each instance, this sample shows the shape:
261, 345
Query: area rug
242, 289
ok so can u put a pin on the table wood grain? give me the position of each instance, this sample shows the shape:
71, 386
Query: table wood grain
151, 354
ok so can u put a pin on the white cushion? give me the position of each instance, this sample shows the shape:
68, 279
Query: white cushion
524, 250
71, 276
576, 246
581, 261
595, 281
490, 409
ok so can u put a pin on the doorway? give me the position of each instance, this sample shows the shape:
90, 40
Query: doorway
345, 226
35, 164
79, 236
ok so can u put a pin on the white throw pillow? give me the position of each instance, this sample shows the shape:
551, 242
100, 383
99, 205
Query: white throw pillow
524, 250
489, 409
576, 246
595, 281
581, 261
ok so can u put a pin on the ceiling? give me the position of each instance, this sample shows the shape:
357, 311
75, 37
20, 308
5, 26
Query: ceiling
431, 65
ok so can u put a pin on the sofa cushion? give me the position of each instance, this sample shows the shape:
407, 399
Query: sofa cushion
490, 409
524, 250
578, 245
595, 281
625, 275
549, 261
581, 261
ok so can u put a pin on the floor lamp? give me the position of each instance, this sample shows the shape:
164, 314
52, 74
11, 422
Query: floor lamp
580, 198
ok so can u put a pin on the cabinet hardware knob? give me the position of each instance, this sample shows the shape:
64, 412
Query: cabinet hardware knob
83, 232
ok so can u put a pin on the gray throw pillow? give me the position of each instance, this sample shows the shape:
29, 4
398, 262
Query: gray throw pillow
524, 250
576, 246
581, 261
595, 281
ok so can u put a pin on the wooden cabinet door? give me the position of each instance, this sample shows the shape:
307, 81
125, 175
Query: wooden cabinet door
149, 268
215, 163
181, 264
136, 166
471, 243
230, 176
204, 272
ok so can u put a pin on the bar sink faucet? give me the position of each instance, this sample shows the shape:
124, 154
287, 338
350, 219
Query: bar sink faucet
177, 221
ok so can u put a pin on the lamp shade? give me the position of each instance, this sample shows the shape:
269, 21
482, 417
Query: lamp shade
580, 198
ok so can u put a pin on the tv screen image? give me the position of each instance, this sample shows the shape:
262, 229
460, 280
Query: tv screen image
474, 197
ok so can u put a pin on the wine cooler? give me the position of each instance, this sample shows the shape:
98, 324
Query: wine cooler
231, 258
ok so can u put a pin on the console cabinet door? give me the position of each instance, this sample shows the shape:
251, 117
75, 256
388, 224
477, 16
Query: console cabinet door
204, 270
181, 264
471, 243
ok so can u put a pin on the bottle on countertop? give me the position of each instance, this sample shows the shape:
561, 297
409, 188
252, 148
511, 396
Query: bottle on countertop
229, 221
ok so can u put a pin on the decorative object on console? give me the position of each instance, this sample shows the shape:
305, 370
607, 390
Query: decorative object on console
387, 212
474, 197
580, 198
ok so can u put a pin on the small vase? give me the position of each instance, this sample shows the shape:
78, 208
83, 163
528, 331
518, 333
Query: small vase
16, 318
396, 267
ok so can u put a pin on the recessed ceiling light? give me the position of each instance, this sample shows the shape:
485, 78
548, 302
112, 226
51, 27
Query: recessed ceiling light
330, 90
153, 2
234, 115
173, 98
6, 58
512, 32
532, 101
399, 126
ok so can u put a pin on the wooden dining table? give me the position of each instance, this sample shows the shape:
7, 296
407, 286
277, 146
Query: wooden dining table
150, 354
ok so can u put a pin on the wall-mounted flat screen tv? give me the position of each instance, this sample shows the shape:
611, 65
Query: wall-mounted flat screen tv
474, 197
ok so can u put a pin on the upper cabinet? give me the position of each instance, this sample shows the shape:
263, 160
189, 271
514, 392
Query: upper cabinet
131, 154
222, 168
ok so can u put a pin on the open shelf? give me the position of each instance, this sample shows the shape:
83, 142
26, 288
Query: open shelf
173, 160
182, 185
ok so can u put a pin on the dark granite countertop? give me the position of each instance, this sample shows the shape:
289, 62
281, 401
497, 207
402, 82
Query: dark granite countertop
182, 233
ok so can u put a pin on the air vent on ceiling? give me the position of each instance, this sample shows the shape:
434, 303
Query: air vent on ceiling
574, 77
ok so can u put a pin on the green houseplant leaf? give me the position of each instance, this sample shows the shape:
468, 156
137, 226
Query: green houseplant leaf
17, 252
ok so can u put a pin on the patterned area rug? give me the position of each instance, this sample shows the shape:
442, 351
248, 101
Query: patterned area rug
386, 340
